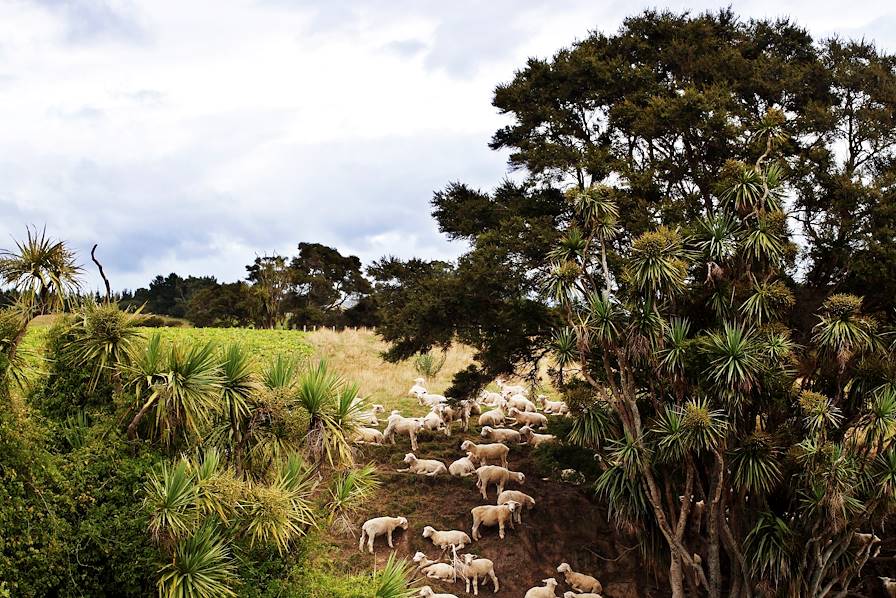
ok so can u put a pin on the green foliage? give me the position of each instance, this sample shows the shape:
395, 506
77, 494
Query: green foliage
201, 567
42, 270
429, 365
394, 579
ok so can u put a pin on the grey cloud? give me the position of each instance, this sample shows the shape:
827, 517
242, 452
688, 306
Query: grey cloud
406, 47
93, 20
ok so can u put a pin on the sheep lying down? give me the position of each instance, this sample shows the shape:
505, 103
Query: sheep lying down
427, 467
580, 582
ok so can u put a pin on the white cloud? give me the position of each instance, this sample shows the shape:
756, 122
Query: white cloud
189, 136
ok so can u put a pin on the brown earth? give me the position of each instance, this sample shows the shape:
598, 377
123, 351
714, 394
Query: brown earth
566, 525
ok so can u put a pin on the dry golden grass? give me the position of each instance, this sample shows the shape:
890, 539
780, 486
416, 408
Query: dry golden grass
355, 354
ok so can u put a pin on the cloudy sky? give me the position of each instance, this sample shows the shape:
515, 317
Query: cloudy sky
191, 135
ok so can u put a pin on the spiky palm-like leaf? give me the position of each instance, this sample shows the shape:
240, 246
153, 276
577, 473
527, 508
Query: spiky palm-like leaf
658, 261
394, 579
591, 425
565, 347
842, 331
604, 317
202, 567
104, 338
763, 242
754, 464
626, 500
238, 384
767, 302
281, 372
348, 490
570, 247
735, 360
769, 547
717, 236
675, 346
170, 498
43, 271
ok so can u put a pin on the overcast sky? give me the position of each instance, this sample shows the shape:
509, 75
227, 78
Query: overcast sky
191, 135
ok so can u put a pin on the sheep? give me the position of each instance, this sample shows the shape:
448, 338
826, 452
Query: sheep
522, 403
889, 585
509, 389
459, 412
553, 407
426, 592
446, 539
500, 434
528, 418
427, 467
495, 417
368, 436
435, 569
495, 452
379, 526
402, 425
545, 591
475, 408
499, 476
433, 421
585, 595
492, 515
579, 581
431, 399
536, 439
417, 389
463, 467
369, 417
473, 568
491, 398
525, 501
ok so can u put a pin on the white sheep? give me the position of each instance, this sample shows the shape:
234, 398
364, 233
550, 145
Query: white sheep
528, 418
431, 399
525, 501
402, 425
426, 592
584, 595
495, 452
497, 475
463, 467
580, 582
427, 467
545, 591
500, 434
460, 412
492, 515
510, 389
491, 398
368, 436
494, 417
522, 403
472, 568
535, 439
446, 539
433, 420
379, 526
889, 586
417, 389
435, 569
553, 407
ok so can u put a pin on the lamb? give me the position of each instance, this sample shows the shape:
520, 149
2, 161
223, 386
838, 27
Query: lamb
417, 389
435, 569
369, 417
431, 399
495, 452
459, 412
426, 592
545, 591
492, 515
379, 526
463, 467
500, 434
433, 420
553, 407
368, 436
473, 568
427, 467
525, 501
491, 398
499, 476
509, 389
585, 595
522, 403
528, 419
536, 439
402, 425
579, 581
446, 539
495, 417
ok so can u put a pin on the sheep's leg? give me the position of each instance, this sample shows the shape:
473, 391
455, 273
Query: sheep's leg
389, 537
484, 489
494, 579
413, 441
501, 529
475, 531
361, 542
370, 539
500, 488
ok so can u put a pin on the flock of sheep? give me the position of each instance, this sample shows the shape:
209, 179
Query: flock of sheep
488, 462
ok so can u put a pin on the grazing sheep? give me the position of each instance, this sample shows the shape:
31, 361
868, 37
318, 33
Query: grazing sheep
427, 467
426, 592
545, 591
492, 515
368, 436
446, 539
585, 595
495, 417
463, 467
528, 418
536, 439
495, 452
522, 403
525, 501
473, 568
553, 407
500, 434
402, 425
379, 526
579, 581
417, 389
435, 569
497, 475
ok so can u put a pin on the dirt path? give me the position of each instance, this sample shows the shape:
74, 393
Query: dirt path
566, 525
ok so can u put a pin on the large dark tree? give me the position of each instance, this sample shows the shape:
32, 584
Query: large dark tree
325, 284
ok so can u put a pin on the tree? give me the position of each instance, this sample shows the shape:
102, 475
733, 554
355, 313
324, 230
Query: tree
223, 305
169, 295
325, 283
270, 279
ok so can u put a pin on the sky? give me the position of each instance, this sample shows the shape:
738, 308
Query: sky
191, 136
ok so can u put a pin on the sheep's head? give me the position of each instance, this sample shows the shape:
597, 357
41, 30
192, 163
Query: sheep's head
410, 458
469, 558
520, 477
564, 568
419, 556
465, 445
513, 411
550, 582
426, 591
512, 505
525, 430
379, 409
428, 531
486, 430
403, 522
